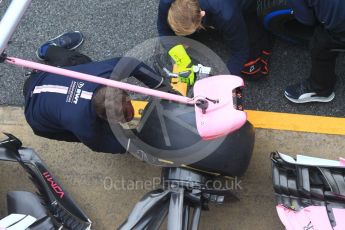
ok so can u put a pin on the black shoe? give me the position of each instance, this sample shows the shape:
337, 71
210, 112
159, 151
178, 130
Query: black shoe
302, 93
69, 40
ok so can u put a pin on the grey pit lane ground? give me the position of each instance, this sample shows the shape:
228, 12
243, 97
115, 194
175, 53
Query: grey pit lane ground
114, 27
95, 179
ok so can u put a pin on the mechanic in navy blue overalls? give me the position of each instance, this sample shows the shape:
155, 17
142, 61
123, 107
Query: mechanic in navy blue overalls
66, 109
329, 37
235, 21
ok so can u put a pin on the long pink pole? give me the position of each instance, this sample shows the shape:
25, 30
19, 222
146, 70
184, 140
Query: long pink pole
99, 80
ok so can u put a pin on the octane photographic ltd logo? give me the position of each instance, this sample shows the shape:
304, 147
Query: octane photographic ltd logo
166, 133
123, 184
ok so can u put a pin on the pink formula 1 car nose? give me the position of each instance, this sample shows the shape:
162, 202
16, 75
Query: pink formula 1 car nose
217, 114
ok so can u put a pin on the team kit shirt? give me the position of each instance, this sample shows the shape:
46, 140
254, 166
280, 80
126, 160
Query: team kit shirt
59, 105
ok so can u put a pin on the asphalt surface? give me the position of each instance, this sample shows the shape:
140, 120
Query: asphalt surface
112, 27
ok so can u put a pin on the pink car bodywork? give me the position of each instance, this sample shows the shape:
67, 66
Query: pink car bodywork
221, 118
311, 218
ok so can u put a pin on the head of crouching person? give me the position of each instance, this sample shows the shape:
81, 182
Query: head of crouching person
185, 17
113, 105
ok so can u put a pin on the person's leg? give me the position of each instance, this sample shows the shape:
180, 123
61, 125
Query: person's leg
260, 43
26, 86
322, 76
69, 41
58, 56
63, 136
58, 51
259, 39
320, 85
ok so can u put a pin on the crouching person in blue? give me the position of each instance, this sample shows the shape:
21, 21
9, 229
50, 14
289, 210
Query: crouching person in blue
66, 109
235, 21
329, 37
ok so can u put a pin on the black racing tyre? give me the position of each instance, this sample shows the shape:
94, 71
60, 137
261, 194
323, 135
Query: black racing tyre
166, 132
278, 18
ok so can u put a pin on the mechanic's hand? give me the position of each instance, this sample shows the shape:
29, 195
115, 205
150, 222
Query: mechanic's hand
258, 68
184, 64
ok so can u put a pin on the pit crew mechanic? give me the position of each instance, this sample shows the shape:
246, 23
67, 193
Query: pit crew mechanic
233, 19
65, 109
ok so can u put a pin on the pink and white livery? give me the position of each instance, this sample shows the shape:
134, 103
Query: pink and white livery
311, 218
310, 192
